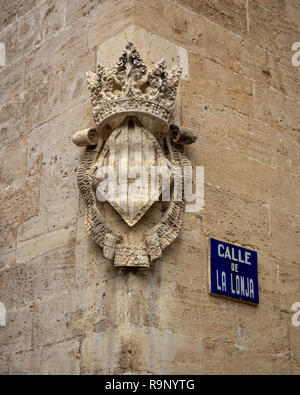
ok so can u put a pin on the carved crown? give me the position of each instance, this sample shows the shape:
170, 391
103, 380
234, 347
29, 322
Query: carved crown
127, 89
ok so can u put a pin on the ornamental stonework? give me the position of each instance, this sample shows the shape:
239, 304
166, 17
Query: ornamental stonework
133, 138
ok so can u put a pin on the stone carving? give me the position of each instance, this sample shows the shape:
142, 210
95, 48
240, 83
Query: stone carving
134, 134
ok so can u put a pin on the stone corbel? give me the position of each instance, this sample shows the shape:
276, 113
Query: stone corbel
182, 136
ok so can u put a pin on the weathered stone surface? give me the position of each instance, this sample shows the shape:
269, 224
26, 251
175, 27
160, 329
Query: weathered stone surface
16, 336
3, 365
270, 70
270, 323
14, 156
74, 81
100, 353
268, 274
223, 127
285, 148
14, 9
12, 81
42, 276
191, 30
78, 9
146, 350
215, 82
19, 201
8, 246
52, 18
65, 315
285, 235
275, 108
289, 284
58, 155
109, 19
294, 340
231, 15
58, 359
271, 31
228, 359
26, 250
234, 218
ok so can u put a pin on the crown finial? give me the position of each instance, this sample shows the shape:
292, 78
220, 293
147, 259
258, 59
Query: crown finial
128, 89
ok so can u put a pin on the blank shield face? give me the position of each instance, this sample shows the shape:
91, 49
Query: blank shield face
126, 170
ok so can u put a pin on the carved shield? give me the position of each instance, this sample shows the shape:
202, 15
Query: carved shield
130, 159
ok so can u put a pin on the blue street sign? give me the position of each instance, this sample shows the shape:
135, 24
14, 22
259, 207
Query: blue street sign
233, 271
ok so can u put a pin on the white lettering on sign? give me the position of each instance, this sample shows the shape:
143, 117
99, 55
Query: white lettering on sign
223, 281
242, 286
233, 254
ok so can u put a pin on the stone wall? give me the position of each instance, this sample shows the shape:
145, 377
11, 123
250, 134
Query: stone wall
68, 310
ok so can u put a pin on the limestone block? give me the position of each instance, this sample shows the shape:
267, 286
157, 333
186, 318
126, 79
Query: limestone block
271, 31
203, 37
19, 201
270, 70
26, 250
294, 339
68, 44
231, 217
14, 9
12, 81
21, 36
42, 98
41, 277
90, 263
67, 314
276, 6
82, 10
60, 359
268, 279
285, 146
7, 246
285, 235
100, 353
263, 329
274, 108
12, 125
13, 159
59, 156
3, 365
229, 359
16, 286
74, 80
289, 284
59, 218
16, 336
153, 351
57, 359
190, 30
52, 18
108, 20
231, 15
264, 183
220, 125
293, 12
215, 82
185, 263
